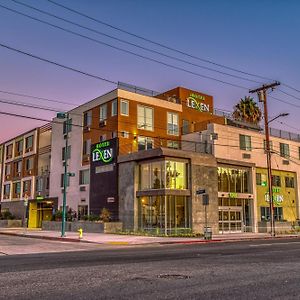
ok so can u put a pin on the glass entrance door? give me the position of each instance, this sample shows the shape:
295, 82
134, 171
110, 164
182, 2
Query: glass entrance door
230, 219
234, 215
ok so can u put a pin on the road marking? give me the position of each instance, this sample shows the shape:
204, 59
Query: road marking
272, 244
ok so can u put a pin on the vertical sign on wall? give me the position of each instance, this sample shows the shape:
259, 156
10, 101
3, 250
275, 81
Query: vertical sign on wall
104, 178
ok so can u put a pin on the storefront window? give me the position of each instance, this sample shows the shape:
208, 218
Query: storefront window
164, 214
163, 174
233, 180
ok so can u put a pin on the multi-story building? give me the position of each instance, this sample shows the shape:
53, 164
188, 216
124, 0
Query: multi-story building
242, 176
25, 161
137, 121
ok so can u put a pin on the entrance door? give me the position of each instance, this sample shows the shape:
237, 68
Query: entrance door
230, 219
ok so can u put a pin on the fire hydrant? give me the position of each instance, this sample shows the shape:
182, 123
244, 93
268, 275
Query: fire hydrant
80, 233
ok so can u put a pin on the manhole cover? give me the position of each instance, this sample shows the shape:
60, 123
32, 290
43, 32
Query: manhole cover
171, 276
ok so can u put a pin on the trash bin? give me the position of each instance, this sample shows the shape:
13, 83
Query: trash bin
207, 233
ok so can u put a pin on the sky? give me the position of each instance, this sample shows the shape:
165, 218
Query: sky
258, 37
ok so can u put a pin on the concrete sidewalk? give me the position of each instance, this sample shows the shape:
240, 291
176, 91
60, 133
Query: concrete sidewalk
117, 239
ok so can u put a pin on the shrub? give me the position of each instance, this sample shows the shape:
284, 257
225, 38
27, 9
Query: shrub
6, 215
105, 215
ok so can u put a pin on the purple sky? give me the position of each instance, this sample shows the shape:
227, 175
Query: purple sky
260, 37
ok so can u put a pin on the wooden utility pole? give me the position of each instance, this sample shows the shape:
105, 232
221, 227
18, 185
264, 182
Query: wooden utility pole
262, 95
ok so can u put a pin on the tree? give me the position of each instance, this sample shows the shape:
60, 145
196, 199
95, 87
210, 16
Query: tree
247, 110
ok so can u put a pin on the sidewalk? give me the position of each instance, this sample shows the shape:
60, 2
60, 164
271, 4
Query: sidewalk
117, 239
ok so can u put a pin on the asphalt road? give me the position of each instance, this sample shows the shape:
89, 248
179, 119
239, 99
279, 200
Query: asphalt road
268, 269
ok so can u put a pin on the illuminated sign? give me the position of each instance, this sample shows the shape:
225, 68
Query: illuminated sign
103, 152
232, 195
277, 199
195, 101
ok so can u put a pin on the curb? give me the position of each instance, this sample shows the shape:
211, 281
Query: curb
124, 243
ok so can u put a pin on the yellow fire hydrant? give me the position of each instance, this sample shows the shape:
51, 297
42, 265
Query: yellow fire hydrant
80, 233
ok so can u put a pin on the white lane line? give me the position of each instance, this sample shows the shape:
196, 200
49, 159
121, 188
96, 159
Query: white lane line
274, 244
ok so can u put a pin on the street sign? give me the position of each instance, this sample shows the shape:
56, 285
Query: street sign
200, 192
205, 199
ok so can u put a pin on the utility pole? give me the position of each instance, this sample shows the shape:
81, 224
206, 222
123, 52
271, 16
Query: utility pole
65, 178
262, 96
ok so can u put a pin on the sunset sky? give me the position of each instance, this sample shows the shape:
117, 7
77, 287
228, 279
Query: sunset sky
258, 37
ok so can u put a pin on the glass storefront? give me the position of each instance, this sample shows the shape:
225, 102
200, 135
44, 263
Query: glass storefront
236, 180
164, 214
165, 174
235, 215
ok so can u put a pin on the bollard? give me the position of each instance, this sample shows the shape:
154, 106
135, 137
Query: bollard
80, 233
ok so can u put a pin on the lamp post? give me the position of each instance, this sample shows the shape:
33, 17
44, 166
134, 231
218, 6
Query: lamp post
66, 132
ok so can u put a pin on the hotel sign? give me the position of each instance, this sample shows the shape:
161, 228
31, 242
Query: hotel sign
104, 153
195, 101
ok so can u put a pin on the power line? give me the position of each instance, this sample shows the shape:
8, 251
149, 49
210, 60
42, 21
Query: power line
133, 44
56, 64
35, 97
127, 51
168, 47
99, 129
288, 94
156, 43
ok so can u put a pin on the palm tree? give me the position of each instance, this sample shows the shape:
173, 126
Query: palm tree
247, 110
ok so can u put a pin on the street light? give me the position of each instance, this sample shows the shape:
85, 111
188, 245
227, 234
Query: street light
62, 115
279, 116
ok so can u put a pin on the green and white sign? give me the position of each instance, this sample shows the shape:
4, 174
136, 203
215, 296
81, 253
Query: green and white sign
103, 152
195, 101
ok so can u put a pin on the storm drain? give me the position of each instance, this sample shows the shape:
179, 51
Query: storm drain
173, 276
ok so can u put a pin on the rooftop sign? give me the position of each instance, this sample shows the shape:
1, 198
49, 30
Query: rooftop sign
195, 101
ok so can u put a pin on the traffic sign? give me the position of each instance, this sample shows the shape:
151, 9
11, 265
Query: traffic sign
200, 192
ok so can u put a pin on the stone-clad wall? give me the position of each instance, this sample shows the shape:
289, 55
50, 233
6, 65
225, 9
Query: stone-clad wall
17, 208
127, 190
204, 176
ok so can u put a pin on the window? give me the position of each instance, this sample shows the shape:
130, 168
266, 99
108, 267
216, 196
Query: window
261, 179
185, 126
237, 180
114, 107
102, 138
125, 134
62, 180
9, 149
27, 188
29, 143
7, 169
173, 144
7, 190
299, 152
289, 182
145, 118
276, 180
284, 150
39, 184
163, 174
84, 176
87, 118
67, 126
173, 123
265, 213
19, 148
86, 147
63, 153
29, 164
18, 168
103, 112
114, 134
270, 143
245, 142
124, 107
145, 143
17, 189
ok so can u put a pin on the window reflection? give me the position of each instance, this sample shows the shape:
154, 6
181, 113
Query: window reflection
233, 180
163, 174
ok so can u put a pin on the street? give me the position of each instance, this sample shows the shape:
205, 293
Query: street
261, 269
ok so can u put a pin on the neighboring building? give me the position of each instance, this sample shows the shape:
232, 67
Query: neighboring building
24, 157
1, 163
242, 192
